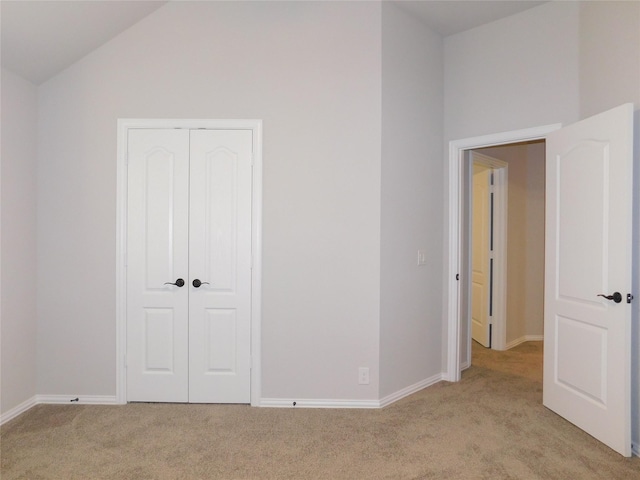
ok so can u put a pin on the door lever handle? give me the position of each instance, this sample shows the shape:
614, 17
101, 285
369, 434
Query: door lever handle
179, 283
196, 283
616, 297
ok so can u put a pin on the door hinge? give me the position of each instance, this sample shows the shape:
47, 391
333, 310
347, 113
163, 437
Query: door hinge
629, 297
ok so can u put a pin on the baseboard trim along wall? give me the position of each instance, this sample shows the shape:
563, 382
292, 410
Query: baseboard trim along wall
18, 410
405, 392
80, 399
635, 449
313, 403
327, 403
526, 338
57, 400
265, 402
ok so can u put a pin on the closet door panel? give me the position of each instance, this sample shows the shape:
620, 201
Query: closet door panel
220, 258
157, 256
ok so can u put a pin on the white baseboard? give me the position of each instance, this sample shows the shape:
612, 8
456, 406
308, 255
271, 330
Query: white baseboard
57, 400
635, 449
18, 410
394, 397
312, 403
526, 338
78, 399
328, 403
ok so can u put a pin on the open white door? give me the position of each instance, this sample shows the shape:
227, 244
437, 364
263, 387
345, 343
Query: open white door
589, 252
480, 254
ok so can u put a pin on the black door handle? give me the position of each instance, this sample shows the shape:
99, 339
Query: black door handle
196, 283
616, 297
179, 283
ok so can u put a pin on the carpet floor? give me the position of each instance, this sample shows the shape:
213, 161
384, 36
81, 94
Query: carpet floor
490, 425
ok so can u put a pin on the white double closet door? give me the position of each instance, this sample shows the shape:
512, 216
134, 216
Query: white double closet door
189, 265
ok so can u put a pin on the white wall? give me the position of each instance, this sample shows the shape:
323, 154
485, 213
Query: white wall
559, 62
18, 243
412, 115
518, 72
609, 55
311, 71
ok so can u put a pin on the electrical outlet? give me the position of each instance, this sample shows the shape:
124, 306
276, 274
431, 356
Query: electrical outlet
422, 258
363, 375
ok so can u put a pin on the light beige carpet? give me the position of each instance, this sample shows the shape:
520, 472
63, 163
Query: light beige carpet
491, 425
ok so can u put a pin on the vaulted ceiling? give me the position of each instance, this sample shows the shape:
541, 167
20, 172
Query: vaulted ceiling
42, 38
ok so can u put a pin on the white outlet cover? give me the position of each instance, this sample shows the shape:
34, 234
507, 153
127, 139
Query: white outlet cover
363, 376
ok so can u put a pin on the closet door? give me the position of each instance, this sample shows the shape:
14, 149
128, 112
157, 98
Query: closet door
189, 265
157, 265
220, 258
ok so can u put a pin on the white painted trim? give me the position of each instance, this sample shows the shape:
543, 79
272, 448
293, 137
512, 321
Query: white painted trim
500, 242
256, 271
500, 224
456, 156
330, 403
525, 338
321, 403
57, 400
411, 389
256, 241
82, 399
18, 410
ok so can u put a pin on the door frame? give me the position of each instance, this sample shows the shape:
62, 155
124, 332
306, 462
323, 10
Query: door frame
500, 170
124, 124
453, 298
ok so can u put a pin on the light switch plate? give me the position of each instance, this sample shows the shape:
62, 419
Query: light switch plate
422, 258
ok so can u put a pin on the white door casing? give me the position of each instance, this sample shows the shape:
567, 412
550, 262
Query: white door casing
456, 180
215, 307
589, 252
480, 254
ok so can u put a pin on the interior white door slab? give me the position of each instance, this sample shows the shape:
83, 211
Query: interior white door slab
220, 257
189, 265
158, 255
588, 253
480, 255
